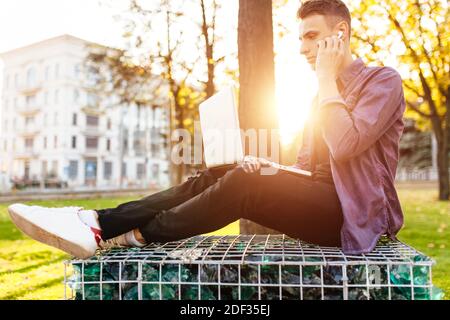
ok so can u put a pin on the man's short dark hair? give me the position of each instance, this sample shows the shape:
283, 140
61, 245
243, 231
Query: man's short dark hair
335, 11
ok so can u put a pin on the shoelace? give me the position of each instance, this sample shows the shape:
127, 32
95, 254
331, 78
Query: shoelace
112, 243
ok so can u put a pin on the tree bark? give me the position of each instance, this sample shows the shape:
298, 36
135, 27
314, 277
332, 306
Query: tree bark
443, 151
209, 45
257, 79
442, 162
441, 134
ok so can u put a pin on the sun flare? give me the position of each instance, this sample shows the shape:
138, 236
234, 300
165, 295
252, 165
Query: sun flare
296, 86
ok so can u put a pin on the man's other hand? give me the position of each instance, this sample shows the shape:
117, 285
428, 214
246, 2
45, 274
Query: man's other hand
252, 164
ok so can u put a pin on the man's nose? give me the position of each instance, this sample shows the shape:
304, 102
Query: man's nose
303, 49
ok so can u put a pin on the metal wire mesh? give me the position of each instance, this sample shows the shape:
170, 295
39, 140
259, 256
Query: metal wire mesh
260, 267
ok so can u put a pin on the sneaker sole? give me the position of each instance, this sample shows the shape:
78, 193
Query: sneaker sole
41, 235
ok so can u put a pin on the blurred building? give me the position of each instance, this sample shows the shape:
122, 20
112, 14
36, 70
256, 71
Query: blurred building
418, 154
56, 131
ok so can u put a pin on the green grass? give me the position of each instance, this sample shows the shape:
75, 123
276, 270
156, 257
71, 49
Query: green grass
426, 228
30, 270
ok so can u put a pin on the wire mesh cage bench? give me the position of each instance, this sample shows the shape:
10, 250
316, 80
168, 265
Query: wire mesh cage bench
250, 267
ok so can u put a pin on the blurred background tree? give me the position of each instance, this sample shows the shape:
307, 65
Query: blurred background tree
169, 57
415, 147
416, 34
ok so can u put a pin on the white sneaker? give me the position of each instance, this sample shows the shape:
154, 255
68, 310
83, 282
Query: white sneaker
57, 227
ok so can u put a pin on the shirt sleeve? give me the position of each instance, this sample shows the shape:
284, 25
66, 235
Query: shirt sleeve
348, 133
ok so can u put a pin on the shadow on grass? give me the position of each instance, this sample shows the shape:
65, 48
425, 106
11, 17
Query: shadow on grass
34, 266
16, 294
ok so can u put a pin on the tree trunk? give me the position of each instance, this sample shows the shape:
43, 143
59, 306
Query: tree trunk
443, 151
442, 162
209, 45
257, 78
177, 170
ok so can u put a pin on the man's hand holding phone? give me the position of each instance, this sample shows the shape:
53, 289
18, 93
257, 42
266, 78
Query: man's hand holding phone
329, 56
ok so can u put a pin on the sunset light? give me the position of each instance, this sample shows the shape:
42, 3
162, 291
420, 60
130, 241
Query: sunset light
295, 82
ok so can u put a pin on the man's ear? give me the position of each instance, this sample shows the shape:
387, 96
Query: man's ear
342, 27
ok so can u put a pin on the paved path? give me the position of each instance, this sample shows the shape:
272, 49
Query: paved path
92, 194
71, 194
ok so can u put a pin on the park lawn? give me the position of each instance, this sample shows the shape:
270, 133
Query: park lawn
426, 228
30, 270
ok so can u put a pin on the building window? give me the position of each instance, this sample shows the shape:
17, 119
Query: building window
56, 96
55, 142
140, 171
107, 170
92, 121
30, 101
73, 169
47, 73
92, 100
26, 174
125, 143
29, 121
44, 169
29, 142
76, 70
155, 171
55, 119
108, 144
31, 77
76, 95
56, 71
74, 119
90, 169
54, 171
108, 124
45, 142
46, 97
92, 143
74, 142
124, 169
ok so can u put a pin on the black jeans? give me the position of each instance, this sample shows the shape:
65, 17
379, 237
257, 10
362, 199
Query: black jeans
298, 207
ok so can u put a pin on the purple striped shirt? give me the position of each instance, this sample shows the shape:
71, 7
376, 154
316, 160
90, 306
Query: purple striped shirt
362, 129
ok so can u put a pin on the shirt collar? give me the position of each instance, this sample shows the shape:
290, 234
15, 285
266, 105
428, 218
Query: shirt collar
346, 75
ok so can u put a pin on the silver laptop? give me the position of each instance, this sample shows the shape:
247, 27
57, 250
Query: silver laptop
222, 139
